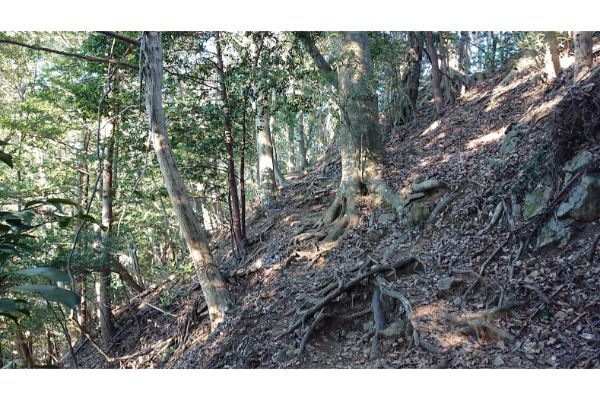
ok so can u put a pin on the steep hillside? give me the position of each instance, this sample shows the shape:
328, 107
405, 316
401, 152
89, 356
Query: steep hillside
491, 265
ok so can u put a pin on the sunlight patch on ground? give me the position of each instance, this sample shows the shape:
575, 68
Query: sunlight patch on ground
434, 125
484, 140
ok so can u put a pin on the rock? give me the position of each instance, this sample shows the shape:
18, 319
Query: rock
457, 301
561, 315
395, 329
498, 361
419, 212
368, 326
445, 284
375, 235
511, 141
583, 202
556, 231
580, 160
535, 201
386, 218
287, 353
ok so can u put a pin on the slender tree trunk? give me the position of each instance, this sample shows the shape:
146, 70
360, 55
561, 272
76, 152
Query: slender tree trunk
291, 160
435, 75
279, 178
582, 41
213, 287
264, 147
238, 233
464, 60
243, 170
301, 160
25, 350
104, 304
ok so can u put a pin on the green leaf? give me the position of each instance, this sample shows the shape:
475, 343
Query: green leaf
87, 218
48, 272
11, 316
9, 305
6, 159
50, 293
58, 201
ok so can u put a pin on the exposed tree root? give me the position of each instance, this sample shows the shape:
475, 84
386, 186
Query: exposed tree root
313, 309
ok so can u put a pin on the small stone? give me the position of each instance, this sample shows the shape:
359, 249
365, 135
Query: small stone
287, 353
457, 301
534, 274
500, 344
561, 315
386, 218
498, 361
445, 284
395, 329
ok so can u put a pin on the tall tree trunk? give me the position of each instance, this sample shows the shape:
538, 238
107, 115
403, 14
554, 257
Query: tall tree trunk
301, 162
582, 41
412, 77
105, 318
552, 60
25, 350
264, 147
213, 287
238, 233
291, 160
83, 186
435, 74
279, 178
360, 141
464, 60
243, 170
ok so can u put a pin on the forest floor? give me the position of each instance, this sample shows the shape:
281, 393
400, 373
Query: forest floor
470, 262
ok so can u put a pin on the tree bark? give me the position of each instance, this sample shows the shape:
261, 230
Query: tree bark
213, 287
301, 162
279, 178
435, 75
412, 77
105, 317
552, 60
291, 160
582, 41
360, 140
264, 147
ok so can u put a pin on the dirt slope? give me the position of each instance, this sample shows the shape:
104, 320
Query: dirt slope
481, 294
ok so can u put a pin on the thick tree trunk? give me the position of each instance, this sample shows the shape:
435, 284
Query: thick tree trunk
464, 60
411, 78
264, 147
105, 318
213, 287
360, 141
279, 178
552, 60
238, 233
25, 349
438, 97
582, 41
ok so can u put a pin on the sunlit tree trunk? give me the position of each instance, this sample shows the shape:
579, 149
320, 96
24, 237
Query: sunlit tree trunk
438, 96
291, 160
552, 60
264, 148
213, 287
279, 178
105, 318
582, 41
25, 349
464, 59
238, 233
412, 77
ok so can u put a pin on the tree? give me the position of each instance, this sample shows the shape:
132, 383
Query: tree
582, 41
213, 287
552, 60
264, 151
360, 140
436, 79
236, 222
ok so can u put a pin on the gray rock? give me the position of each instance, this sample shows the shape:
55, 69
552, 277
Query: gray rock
498, 361
415, 196
556, 231
535, 201
419, 212
395, 329
583, 202
511, 141
580, 160
445, 284
288, 353
386, 218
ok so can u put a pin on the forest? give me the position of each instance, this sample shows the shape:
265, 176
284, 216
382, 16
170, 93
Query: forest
299, 199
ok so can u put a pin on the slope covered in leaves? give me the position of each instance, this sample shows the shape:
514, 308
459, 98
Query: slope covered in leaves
479, 291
